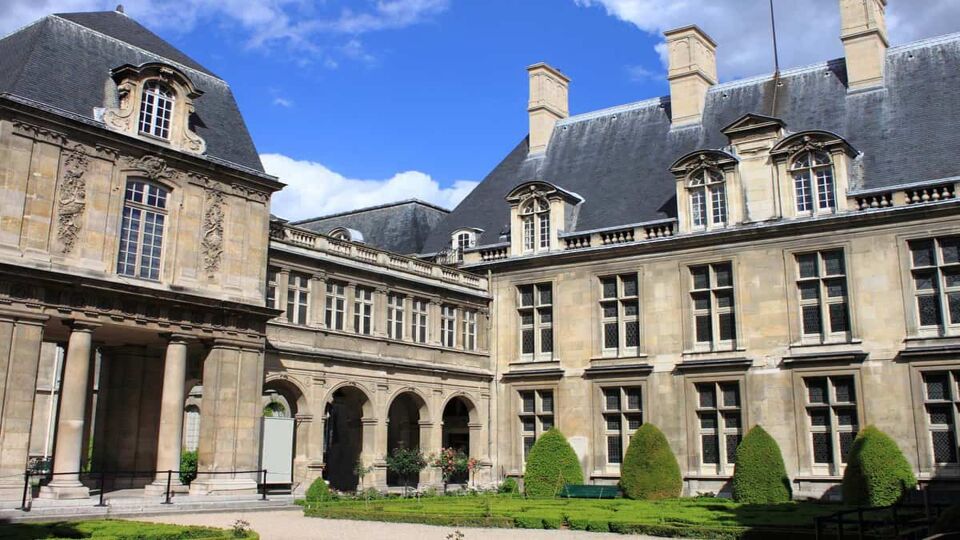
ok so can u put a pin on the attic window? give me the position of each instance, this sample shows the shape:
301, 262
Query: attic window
156, 110
535, 217
813, 182
708, 198
464, 240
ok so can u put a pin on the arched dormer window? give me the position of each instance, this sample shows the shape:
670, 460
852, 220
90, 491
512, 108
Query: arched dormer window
535, 217
708, 198
156, 109
462, 239
343, 233
141, 230
813, 184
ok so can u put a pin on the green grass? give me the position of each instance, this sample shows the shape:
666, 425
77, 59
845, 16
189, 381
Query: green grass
699, 517
116, 530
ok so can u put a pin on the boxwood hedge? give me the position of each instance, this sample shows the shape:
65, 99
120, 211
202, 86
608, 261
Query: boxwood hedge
877, 473
760, 476
650, 469
551, 464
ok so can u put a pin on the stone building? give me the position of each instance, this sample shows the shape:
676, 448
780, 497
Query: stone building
779, 251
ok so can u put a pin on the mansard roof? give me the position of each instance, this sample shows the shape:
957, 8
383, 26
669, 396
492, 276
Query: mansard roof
619, 159
401, 227
87, 47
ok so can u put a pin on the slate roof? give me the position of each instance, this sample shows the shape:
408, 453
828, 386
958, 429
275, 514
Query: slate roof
64, 61
618, 159
401, 227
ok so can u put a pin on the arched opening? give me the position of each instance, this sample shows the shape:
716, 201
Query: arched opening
282, 443
456, 431
403, 431
343, 438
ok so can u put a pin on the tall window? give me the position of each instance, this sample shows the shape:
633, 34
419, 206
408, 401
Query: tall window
419, 322
536, 416
448, 326
942, 404
468, 331
298, 297
619, 311
822, 288
141, 230
708, 198
395, 307
720, 423
622, 415
463, 240
536, 321
535, 216
272, 298
935, 269
712, 305
832, 417
156, 108
363, 310
191, 428
335, 308
813, 182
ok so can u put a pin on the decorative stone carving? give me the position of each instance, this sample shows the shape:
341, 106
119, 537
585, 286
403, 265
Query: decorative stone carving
40, 133
122, 117
153, 167
212, 242
72, 198
805, 144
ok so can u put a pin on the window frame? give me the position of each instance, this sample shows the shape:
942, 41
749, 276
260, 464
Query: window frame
823, 301
537, 325
714, 310
537, 415
693, 410
719, 411
927, 460
809, 174
364, 308
272, 291
804, 424
711, 185
468, 329
941, 291
144, 210
298, 299
448, 325
335, 305
419, 320
622, 320
535, 221
624, 413
152, 89
396, 307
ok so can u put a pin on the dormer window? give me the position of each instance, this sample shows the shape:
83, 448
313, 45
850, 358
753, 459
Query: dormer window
464, 240
813, 182
708, 198
535, 216
156, 110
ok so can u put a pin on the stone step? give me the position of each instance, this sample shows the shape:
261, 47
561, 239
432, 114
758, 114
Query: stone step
127, 507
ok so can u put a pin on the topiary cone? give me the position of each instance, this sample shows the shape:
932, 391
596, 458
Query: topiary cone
650, 470
877, 472
551, 464
760, 476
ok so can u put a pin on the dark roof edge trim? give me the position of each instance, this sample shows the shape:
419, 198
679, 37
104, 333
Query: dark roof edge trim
907, 185
851, 357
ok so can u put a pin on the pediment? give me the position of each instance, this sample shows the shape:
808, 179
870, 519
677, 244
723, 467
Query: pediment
752, 122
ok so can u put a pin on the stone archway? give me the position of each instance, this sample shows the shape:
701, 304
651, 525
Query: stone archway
404, 417
343, 437
458, 413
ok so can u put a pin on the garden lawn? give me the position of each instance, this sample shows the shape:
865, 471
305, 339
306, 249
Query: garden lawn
697, 517
117, 530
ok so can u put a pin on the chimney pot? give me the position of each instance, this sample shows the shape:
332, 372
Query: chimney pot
692, 70
548, 103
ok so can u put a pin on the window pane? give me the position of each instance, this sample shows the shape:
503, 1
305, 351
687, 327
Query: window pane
953, 301
546, 401
526, 295
843, 389
528, 443
727, 327
809, 290
846, 442
811, 320
546, 422
731, 395
526, 318
950, 250
711, 448
924, 280
816, 390
613, 422
546, 294
634, 421
633, 399
546, 340
951, 276
527, 341
833, 263
929, 308
937, 386
630, 308
630, 286
731, 420
838, 317
701, 277
708, 421
632, 334
819, 417
609, 287
725, 299
546, 315
822, 449
527, 402
610, 335
611, 399
807, 265
733, 441
609, 310
921, 252
704, 331
701, 300
528, 424
708, 398
614, 449
724, 275
944, 448
847, 417
940, 414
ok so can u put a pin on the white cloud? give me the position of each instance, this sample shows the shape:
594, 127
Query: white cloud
282, 102
807, 31
640, 73
313, 189
322, 28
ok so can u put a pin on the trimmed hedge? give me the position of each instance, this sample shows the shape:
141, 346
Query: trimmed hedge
551, 464
508, 486
117, 530
877, 473
318, 491
760, 476
650, 470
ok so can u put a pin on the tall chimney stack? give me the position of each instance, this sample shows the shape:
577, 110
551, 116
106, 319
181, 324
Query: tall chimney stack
548, 103
863, 31
692, 71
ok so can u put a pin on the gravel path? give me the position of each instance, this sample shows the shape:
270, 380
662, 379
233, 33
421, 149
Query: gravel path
292, 524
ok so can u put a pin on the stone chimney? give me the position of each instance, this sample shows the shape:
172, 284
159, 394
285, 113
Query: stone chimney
863, 31
692, 71
548, 103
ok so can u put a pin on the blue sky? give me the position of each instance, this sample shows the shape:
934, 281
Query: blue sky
361, 102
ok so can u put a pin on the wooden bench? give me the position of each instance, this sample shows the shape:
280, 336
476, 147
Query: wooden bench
585, 491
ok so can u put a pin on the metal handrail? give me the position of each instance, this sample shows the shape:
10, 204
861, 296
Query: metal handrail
102, 475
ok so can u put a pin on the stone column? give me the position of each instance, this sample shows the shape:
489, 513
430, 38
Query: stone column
380, 312
230, 418
68, 448
318, 300
20, 342
375, 431
170, 436
431, 434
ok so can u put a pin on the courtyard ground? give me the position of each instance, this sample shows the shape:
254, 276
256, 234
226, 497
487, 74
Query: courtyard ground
292, 524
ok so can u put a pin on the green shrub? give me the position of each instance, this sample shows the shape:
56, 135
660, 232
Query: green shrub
551, 464
760, 476
877, 473
650, 469
508, 486
318, 491
188, 467
949, 521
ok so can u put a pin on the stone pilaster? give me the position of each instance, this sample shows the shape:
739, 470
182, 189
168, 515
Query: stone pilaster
20, 342
68, 448
170, 436
230, 419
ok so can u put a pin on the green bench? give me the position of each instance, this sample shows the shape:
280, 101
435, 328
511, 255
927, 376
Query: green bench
584, 491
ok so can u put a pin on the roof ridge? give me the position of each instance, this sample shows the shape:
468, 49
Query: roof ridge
373, 207
134, 47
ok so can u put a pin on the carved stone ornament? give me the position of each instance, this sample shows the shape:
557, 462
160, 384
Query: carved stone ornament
212, 241
153, 167
72, 198
122, 117
40, 133
805, 144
